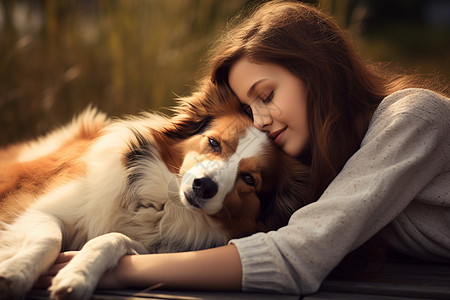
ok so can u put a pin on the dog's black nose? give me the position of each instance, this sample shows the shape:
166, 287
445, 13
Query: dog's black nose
204, 187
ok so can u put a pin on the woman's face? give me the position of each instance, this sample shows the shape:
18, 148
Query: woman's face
277, 101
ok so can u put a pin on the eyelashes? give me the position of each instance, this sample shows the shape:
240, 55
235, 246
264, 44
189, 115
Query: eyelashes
268, 98
248, 110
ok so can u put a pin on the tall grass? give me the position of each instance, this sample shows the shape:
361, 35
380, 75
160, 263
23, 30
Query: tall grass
57, 57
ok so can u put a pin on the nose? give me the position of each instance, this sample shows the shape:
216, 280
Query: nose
204, 187
261, 117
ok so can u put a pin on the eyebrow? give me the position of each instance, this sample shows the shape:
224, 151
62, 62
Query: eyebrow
252, 88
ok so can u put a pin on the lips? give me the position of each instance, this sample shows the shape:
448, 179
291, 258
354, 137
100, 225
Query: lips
276, 135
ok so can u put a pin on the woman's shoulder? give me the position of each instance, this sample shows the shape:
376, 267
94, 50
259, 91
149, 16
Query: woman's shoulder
422, 103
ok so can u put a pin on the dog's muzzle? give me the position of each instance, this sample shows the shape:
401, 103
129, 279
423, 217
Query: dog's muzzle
205, 185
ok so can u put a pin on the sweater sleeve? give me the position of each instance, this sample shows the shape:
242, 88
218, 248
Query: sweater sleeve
406, 146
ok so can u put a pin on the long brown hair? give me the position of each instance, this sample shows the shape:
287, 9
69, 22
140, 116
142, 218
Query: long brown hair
343, 91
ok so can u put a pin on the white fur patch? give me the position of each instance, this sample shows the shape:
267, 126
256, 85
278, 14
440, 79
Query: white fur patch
251, 144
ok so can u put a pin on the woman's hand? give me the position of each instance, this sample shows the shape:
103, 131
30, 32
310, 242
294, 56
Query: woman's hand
45, 280
109, 280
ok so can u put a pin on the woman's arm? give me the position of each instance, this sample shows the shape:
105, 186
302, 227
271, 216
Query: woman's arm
212, 269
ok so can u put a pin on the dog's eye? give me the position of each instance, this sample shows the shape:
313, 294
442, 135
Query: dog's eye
214, 144
248, 179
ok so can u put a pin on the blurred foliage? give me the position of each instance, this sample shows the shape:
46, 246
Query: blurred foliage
57, 57
414, 35
125, 56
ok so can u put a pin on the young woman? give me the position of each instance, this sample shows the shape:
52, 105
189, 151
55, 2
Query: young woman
379, 152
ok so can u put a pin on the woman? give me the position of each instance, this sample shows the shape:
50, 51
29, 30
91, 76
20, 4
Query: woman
379, 155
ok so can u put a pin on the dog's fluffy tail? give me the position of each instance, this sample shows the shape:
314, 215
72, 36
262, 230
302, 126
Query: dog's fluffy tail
86, 126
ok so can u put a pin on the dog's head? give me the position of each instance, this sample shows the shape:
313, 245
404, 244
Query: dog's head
232, 172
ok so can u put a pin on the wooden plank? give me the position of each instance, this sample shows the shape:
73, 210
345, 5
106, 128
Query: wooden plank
408, 279
426, 290
354, 296
169, 295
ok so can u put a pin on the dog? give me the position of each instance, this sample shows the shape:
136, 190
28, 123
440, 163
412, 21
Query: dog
143, 184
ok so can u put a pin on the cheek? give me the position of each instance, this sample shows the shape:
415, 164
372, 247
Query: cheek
250, 205
241, 191
232, 203
296, 145
240, 215
242, 203
297, 137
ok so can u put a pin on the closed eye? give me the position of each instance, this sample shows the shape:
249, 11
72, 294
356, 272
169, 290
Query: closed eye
268, 98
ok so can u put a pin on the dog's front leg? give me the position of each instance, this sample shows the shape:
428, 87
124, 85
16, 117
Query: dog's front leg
79, 278
27, 248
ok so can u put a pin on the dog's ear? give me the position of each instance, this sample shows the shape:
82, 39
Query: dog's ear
184, 126
292, 192
193, 113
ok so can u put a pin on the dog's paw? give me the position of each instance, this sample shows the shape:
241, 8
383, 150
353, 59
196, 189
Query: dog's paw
71, 286
10, 289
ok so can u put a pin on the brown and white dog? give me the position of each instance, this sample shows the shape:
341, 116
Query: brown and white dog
139, 185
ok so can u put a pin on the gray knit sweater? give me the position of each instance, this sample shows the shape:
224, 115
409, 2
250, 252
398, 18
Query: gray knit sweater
399, 178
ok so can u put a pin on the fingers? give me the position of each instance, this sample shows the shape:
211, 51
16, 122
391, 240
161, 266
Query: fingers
45, 280
64, 257
54, 269
61, 261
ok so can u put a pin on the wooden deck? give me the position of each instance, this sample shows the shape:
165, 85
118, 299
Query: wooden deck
392, 281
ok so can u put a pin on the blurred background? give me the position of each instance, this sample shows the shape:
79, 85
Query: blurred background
125, 56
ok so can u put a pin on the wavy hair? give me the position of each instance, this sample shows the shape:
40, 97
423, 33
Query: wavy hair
342, 90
